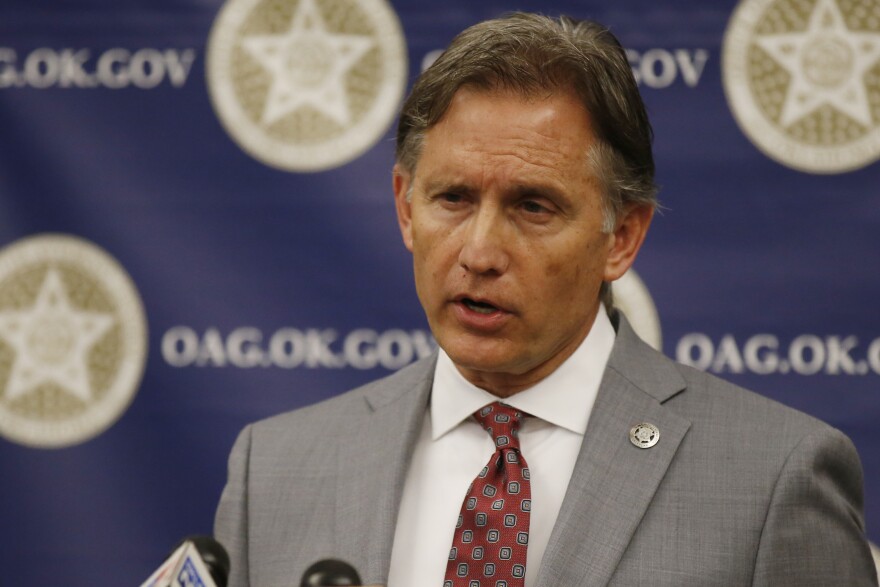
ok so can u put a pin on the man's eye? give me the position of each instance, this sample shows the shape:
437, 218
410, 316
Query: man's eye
451, 198
533, 207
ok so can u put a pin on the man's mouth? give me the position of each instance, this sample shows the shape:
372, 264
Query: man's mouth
479, 307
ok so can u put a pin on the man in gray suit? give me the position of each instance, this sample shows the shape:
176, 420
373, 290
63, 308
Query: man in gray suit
524, 187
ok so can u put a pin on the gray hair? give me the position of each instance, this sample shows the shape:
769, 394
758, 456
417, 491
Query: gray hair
533, 54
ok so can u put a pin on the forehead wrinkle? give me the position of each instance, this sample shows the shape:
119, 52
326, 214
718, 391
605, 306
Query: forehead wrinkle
511, 171
524, 163
507, 154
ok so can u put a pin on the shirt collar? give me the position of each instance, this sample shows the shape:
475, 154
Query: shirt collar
564, 398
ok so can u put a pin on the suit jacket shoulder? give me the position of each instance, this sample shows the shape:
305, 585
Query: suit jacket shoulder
739, 490
322, 482
353, 404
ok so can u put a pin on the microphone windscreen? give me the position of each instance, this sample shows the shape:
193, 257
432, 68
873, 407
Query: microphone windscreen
330, 573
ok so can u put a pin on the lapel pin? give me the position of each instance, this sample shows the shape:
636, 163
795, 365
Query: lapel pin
644, 435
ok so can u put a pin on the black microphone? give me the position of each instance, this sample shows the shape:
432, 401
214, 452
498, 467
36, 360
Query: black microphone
330, 573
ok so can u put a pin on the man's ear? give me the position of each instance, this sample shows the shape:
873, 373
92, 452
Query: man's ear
627, 239
401, 181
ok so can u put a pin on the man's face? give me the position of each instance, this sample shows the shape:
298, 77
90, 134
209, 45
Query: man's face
505, 228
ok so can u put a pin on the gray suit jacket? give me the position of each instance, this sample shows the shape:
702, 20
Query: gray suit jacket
739, 490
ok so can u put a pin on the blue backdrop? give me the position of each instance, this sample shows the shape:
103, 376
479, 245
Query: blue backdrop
195, 204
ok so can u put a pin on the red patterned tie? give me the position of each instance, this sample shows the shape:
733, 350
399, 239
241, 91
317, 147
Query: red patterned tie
492, 533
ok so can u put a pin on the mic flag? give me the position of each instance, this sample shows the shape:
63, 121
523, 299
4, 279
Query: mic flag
188, 565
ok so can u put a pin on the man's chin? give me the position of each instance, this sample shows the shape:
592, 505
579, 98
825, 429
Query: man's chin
484, 361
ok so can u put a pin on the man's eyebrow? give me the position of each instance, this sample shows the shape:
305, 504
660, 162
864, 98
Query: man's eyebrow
539, 191
519, 191
443, 186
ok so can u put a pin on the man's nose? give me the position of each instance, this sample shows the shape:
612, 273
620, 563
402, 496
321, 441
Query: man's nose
484, 249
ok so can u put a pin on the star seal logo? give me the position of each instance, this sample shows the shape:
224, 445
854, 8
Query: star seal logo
306, 85
803, 80
73, 341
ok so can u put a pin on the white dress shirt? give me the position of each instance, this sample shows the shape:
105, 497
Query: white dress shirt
453, 448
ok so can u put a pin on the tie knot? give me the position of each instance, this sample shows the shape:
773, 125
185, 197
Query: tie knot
502, 422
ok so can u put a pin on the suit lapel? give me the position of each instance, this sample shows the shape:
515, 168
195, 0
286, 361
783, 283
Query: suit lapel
373, 461
614, 481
